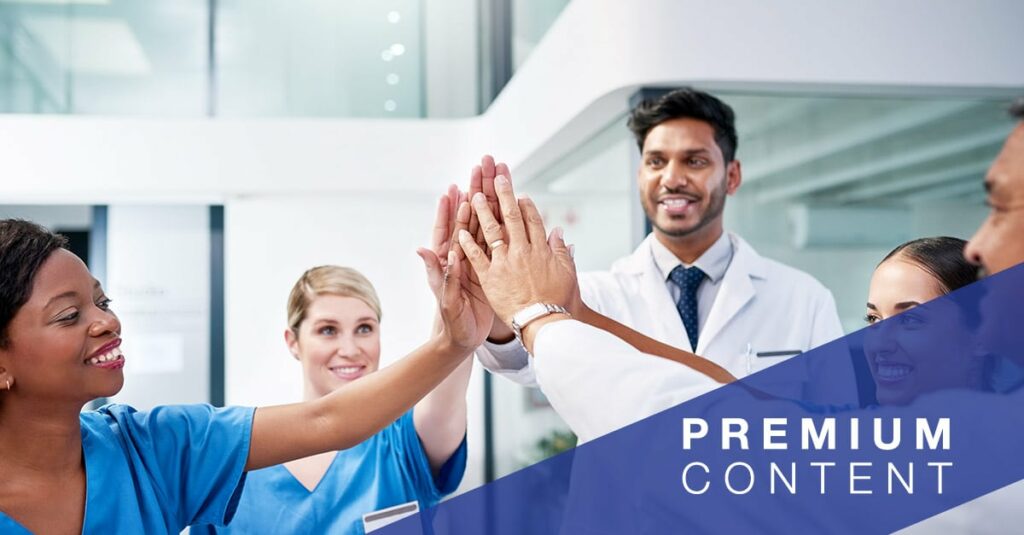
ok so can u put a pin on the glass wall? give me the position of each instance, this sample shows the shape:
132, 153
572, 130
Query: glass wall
358, 58
531, 19
104, 57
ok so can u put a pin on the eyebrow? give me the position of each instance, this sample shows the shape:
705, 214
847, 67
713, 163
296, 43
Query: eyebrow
899, 306
70, 293
329, 320
688, 152
65, 295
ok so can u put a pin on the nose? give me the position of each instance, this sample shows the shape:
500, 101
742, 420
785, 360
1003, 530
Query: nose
973, 250
346, 347
105, 323
674, 175
879, 338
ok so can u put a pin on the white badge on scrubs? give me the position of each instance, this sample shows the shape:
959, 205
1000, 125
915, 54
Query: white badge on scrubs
379, 519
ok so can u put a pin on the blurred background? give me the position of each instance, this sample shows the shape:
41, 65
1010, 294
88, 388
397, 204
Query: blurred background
202, 154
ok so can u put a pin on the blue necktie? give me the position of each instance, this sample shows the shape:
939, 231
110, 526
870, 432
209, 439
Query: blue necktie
688, 280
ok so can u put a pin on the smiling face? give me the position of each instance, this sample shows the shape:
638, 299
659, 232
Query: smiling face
999, 242
64, 341
337, 342
918, 350
683, 180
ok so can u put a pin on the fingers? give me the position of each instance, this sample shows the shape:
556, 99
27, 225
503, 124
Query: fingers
487, 178
462, 220
435, 272
441, 232
454, 196
477, 259
489, 225
512, 217
502, 169
534, 222
475, 180
451, 292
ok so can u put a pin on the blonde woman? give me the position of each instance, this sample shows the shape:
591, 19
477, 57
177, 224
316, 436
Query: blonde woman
334, 325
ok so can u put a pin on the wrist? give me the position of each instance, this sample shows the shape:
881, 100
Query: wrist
443, 344
500, 333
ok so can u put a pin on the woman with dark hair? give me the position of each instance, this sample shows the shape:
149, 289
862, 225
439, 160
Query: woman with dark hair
117, 470
901, 352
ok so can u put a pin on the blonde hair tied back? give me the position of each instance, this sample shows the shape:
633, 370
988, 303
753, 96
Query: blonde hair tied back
328, 280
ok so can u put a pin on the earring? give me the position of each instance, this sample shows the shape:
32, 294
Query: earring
8, 384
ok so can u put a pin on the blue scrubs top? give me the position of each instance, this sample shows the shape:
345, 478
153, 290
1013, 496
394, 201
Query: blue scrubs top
390, 468
159, 471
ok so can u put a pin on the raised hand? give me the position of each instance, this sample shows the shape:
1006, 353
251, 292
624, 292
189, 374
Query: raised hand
525, 266
466, 315
435, 259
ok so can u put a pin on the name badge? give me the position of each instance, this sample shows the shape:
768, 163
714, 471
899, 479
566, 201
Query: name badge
378, 519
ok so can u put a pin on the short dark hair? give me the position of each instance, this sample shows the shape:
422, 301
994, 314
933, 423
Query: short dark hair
24, 246
687, 102
1017, 109
942, 257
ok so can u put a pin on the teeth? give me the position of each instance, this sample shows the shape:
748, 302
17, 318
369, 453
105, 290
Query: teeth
893, 371
113, 354
675, 202
347, 369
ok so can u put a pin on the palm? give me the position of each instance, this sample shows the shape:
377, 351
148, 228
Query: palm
471, 318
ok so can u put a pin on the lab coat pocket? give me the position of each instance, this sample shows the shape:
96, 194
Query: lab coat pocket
787, 382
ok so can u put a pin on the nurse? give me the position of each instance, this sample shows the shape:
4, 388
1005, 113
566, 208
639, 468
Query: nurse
118, 470
908, 357
334, 322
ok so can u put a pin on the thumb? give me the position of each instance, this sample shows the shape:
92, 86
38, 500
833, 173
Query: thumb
435, 273
556, 241
562, 252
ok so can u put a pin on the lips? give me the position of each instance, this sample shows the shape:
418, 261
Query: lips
891, 372
676, 205
348, 372
107, 356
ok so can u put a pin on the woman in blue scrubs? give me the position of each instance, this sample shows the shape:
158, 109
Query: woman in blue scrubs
334, 332
117, 470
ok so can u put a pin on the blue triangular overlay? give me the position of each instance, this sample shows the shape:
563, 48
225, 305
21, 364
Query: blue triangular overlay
946, 374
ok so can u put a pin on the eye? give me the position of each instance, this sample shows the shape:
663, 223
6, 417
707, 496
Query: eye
365, 328
872, 319
697, 162
104, 303
68, 317
327, 330
655, 161
911, 320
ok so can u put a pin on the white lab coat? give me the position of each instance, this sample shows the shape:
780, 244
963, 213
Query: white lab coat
598, 383
762, 306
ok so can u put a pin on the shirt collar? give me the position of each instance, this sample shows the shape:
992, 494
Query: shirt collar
714, 262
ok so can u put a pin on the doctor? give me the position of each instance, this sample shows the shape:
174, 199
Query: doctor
690, 284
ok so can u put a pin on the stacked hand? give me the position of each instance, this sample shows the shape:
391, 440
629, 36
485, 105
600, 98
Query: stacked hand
514, 263
464, 316
526, 265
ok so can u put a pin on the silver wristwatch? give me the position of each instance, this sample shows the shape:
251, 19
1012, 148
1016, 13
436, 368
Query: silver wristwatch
534, 312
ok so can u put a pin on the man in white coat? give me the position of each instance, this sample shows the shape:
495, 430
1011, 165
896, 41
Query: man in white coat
690, 284
571, 357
